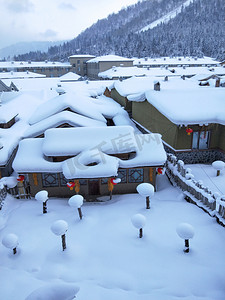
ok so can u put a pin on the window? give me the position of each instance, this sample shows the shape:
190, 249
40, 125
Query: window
50, 179
200, 140
135, 175
104, 180
63, 180
83, 181
122, 174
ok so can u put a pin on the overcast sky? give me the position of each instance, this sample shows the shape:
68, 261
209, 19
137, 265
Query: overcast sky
44, 20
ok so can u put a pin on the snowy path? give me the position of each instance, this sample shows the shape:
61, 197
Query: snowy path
104, 255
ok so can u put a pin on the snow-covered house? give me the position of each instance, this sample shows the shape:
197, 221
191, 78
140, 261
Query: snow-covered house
190, 118
90, 157
5, 88
103, 63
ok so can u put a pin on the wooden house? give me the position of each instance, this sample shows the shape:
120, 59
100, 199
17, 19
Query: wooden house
88, 158
190, 118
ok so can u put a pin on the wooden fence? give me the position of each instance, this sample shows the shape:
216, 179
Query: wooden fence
194, 191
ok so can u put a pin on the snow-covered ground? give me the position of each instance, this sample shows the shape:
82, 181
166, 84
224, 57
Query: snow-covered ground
104, 255
207, 174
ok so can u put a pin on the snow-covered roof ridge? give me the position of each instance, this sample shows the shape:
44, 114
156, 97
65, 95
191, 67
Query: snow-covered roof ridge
64, 117
109, 57
70, 76
88, 146
78, 103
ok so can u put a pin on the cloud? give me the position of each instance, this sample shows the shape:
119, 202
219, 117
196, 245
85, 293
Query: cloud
21, 6
66, 6
49, 33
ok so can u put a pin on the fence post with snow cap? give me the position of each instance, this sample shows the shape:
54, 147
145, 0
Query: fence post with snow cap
146, 190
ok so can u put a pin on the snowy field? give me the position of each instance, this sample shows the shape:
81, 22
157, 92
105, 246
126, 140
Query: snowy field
104, 255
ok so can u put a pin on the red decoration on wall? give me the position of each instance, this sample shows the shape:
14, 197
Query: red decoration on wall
20, 178
160, 171
112, 180
70, 184
189, 131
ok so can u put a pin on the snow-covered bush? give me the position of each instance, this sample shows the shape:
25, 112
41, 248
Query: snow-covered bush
54, 291
139, 222
42, 196
10, 241
76, 201
218, 165
60, 227
186, 232
146, 190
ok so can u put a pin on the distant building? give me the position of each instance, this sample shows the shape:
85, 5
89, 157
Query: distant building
79, 63
50, 69
103, 63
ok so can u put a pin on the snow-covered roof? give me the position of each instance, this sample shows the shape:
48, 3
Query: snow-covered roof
95, 146
167, 61
181, 101
32, 64
10, 75
198, 106
69, 77
81, 55
108, 58
125, 72
64, 117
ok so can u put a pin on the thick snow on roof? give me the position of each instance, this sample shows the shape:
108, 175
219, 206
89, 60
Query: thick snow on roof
69, 77
181, 101
81, 55
160, 61
32, 64
89, 145
199, 106
133, 71
64, 117
134, 85
14, 75
108, 58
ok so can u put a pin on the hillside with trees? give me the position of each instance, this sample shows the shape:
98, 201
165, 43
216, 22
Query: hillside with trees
197, 30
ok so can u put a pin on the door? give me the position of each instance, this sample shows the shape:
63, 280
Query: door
93, 187
200, 140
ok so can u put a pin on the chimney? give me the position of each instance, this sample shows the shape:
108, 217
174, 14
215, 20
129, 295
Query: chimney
183, 77
157, 86
166, 78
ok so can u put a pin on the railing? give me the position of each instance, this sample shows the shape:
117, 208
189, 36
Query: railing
3, 194
195, 192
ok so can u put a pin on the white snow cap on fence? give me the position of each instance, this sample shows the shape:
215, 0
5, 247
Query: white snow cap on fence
59, 227
10, 241
145, 189
138, 221
56, 291
218, 165
76, 201
185, 231
42, 196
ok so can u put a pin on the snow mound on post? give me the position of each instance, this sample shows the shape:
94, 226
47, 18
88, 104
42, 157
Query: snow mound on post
42, 196
218, 165
145, 189
76, 201
59, 227
59, 291
138, 221
185, 231
10, 241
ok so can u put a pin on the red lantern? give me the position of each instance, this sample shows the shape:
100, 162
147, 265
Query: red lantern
159, 171
71, 185
20, 178
189, 131
114, 181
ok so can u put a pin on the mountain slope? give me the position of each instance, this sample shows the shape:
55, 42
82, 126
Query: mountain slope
196, 28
